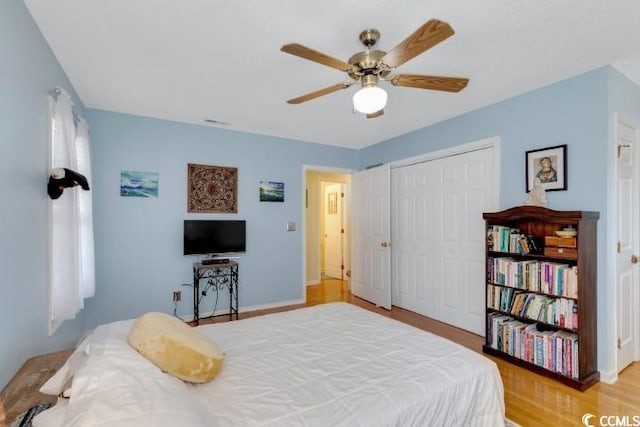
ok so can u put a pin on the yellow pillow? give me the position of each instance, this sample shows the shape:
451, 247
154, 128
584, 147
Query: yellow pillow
176, 348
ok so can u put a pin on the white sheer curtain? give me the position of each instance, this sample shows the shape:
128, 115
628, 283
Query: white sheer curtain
85, 214
71, 255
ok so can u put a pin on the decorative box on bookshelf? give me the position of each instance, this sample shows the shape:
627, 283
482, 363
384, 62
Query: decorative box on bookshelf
541, 307
560, 242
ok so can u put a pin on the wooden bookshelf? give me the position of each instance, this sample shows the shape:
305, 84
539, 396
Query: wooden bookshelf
513, 330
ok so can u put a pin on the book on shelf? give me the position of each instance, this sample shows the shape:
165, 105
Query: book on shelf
547, 277
556, 351
511, 240
555, 311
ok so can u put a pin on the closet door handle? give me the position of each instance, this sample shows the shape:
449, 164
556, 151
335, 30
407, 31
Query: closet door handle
634, 259
385, 244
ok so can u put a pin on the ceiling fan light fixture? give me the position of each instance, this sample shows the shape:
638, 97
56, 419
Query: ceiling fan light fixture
370, 66
369, 99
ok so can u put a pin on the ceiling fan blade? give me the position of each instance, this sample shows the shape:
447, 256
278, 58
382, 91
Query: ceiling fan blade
446, 84
376, 114
318, 93
428, 35
313, 55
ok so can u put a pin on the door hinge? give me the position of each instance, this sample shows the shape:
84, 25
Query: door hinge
621, 146
341, 194
342, 230
342, 267
619, 343
619, 246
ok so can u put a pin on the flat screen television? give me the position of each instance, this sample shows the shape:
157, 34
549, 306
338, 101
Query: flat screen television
213, 237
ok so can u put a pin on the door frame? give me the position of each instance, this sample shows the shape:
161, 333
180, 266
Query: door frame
303, 216
481, 144
611, 376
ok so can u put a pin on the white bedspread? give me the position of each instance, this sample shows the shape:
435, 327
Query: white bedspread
329, 365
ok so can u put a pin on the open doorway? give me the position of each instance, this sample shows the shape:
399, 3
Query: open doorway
327, 238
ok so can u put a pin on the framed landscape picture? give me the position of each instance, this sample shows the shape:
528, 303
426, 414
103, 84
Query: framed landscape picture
548, 167
270, 191
139, 184
332, 203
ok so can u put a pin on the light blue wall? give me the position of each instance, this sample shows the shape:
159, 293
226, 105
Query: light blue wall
139, 259
28, 70
624, 97
573, 112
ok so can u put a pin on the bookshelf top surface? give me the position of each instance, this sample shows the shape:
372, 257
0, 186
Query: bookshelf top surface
539, 213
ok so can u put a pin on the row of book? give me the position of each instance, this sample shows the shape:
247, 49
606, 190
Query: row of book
507, 239
559, 312
556, 351
548, 277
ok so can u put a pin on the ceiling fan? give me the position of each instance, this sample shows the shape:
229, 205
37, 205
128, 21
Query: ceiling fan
372, 66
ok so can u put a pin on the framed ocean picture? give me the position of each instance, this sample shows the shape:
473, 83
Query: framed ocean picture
139, 184
271, 191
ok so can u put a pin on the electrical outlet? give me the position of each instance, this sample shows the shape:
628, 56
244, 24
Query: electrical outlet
177, 296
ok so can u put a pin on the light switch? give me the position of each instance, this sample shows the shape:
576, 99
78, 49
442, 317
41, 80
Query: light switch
291, 226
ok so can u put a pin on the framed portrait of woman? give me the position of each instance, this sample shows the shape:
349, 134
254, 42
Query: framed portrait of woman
547, 167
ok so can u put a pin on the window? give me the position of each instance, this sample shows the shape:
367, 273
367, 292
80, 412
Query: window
71, 247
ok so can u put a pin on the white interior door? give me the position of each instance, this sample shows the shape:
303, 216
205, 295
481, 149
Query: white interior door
371, 236
333, 230
438, 236
626, 269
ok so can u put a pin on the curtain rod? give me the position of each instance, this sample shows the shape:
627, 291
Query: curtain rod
54, 93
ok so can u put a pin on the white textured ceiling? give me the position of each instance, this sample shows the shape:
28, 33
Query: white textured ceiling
191, 60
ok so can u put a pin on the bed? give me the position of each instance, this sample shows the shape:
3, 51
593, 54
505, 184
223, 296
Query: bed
329, 365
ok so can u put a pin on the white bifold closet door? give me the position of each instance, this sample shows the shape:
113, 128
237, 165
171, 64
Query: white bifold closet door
437, 243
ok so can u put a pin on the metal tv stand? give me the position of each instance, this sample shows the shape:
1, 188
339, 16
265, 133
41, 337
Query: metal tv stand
218, 277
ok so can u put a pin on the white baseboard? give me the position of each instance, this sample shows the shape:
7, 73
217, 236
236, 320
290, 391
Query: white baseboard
223, 311
609, 377
272, 305
313, 282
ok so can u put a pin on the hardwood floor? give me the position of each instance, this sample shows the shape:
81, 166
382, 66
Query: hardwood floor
530, 399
